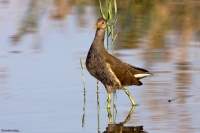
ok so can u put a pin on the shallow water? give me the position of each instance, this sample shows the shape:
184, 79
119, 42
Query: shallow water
41, 87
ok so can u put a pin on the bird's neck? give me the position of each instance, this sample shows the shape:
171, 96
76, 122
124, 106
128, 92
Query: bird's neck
99, 38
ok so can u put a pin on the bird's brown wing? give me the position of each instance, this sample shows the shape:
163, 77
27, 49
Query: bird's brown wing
122, 71
137, 70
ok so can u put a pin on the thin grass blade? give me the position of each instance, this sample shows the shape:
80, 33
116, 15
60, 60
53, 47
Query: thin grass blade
101, 10
81, 62
110, 10
115, 36
115, 8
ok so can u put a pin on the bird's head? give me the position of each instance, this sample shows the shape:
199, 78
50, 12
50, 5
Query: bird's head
101, 23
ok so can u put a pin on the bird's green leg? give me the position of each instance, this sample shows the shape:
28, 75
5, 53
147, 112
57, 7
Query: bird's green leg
129, 95
129, 115
108, 108
109, 100
114, 107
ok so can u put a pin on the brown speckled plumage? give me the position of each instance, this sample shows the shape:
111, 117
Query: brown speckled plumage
112, 72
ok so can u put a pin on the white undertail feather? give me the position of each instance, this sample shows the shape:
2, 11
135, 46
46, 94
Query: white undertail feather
141, 75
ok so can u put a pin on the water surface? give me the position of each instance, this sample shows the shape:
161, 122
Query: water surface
41, 88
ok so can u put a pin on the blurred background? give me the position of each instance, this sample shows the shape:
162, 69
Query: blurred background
42, 41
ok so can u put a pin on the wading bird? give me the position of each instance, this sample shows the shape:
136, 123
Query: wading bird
112, 72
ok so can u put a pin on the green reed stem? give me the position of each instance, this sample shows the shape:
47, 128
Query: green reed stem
98, 109
111, 17
83, 76
84, 85
84, 108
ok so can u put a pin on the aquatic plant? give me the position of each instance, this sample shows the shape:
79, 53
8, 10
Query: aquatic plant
111, 17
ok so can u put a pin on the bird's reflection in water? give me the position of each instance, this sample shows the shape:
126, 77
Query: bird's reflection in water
112, 126
113, 119
120, 128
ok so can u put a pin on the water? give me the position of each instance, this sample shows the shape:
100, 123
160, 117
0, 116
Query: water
41, 88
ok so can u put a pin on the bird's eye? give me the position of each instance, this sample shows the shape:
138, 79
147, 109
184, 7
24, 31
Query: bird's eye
102, 23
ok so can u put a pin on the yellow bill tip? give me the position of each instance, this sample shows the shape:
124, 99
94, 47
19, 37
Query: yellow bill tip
95, 26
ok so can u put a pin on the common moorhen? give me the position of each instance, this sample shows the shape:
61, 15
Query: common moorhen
112, 72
